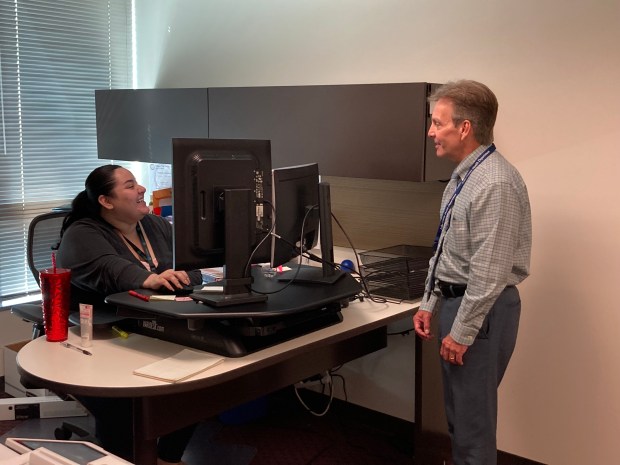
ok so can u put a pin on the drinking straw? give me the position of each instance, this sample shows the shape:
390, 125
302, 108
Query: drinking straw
54, 262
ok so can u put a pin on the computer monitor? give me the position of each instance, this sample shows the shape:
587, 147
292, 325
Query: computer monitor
295, 198
219, 190
302, 207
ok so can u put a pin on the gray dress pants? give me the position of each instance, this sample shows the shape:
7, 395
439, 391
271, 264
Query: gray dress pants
470, 390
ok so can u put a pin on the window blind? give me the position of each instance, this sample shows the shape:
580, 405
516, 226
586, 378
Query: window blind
53, 55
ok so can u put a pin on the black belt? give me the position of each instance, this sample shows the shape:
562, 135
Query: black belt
452, 290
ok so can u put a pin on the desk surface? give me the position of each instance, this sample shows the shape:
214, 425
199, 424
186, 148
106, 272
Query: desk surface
109, 371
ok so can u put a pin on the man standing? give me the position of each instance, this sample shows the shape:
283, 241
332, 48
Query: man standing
482, 252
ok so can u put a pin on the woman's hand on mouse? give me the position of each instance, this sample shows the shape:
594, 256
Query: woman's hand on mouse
170, 279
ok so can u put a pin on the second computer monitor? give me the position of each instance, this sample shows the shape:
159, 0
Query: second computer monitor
302, 209
296, 217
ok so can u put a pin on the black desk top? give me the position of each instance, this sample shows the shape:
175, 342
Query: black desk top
294, 298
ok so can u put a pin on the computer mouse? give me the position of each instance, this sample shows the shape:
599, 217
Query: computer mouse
182, 291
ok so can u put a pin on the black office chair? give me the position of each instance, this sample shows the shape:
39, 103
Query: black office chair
43, 239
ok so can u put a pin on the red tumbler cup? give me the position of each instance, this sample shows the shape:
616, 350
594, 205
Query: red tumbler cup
56, 290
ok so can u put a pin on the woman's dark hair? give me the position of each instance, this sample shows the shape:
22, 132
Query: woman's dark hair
86, 204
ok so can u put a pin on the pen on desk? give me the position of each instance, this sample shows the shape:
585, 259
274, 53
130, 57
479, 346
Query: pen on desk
139, 296
71, 346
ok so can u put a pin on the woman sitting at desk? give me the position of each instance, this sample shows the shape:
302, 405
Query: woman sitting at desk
112, 244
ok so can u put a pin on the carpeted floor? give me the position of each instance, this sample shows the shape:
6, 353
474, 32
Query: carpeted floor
284, 434
289, 435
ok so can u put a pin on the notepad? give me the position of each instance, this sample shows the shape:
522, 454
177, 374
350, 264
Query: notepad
180, 366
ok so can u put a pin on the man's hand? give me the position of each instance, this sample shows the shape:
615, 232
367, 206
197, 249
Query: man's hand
422, 324
451, 351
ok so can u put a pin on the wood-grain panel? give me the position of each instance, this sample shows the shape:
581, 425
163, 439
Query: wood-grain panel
379, 213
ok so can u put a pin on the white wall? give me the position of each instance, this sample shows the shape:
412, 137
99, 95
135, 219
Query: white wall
555, 68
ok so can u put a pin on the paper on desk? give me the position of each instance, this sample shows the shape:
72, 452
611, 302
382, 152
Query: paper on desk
163, 297
180, 366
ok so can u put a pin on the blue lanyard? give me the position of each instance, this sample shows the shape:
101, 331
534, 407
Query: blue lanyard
483, 156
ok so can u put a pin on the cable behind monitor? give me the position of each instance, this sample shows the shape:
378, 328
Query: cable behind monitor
327, 274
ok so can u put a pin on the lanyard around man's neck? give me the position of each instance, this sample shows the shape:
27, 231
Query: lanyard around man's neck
442, 223
437, 246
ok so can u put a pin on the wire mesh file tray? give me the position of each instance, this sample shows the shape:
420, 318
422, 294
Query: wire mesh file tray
397, 272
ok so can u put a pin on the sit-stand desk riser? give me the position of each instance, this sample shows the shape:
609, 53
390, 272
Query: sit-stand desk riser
160, 408
282, 300
234, 331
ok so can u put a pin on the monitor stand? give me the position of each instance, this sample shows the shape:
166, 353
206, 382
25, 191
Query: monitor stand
310, 275
238, 216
